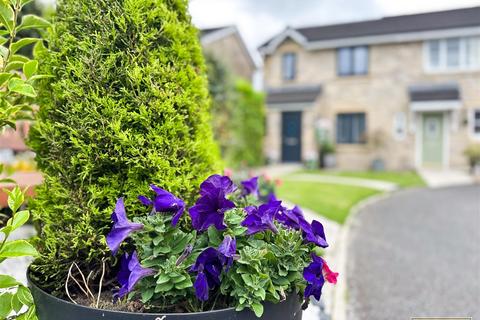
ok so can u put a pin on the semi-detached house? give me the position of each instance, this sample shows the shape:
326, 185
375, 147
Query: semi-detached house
405, 89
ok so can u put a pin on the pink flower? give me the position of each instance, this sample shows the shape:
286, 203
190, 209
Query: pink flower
329, 275
228, 172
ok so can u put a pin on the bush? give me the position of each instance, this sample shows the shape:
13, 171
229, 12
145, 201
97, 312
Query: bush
222, 90
472, 152
128, 104
248, 127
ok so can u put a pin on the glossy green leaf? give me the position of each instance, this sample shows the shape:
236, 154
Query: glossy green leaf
22, 43
19, 86
31, 314
31, 21
6, 15
17, 248
3, 52
5, 304
19, 57
25, 296
14, 65
30, 68
16, 196
4, 77
6, 230
17, 305
7, 281
24, 2
19, 219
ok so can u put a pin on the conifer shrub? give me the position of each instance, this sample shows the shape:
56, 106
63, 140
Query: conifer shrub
127, 105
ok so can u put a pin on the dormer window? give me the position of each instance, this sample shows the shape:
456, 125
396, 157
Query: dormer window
289, 65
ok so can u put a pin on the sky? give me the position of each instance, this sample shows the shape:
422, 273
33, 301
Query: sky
259, 20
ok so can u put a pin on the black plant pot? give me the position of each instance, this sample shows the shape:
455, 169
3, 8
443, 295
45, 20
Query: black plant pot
52, 308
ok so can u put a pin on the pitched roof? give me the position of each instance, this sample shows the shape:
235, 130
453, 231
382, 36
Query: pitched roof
430, 21
434, 92
458, 18
204, 32
295, 94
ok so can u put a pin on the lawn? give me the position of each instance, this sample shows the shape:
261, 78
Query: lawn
330, 200
404, 179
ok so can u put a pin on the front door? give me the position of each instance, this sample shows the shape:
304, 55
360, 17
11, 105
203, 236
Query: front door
432, 153
291, 136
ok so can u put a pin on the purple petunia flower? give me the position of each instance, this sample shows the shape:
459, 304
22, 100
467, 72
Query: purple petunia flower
313, 274
250, 186
314, 233
122, 227
291, 218
228, 249
217, 183
261, 219
131, 271
210, 208
271, 197
164, 201
209, 267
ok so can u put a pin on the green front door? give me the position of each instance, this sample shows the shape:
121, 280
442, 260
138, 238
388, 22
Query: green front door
432, 153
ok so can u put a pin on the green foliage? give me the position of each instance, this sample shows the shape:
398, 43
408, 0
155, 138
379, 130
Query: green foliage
268, 269
16, 91
222, 91
248, 126
127, 104
238, 116
15, 299
472, 152
269, 265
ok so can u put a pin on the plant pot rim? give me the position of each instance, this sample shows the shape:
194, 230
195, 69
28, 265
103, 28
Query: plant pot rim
31, 283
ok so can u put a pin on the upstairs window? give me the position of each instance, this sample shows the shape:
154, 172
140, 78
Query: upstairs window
351, 128
352, 61
289, 65
452, 54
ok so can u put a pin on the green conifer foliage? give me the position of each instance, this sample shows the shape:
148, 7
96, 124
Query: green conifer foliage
127, 106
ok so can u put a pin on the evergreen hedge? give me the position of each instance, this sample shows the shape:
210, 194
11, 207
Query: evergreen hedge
127, 106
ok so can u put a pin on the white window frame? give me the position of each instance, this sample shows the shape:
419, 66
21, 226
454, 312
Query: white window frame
471, 121
443, 68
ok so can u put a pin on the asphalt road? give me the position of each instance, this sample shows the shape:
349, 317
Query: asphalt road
416, 254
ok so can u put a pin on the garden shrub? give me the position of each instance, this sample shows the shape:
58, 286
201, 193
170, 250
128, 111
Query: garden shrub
127, 105
248, 127
238, 116
221, 86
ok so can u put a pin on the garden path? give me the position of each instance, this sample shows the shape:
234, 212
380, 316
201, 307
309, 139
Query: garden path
416, 253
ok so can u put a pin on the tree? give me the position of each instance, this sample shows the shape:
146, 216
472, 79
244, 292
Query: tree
128, 106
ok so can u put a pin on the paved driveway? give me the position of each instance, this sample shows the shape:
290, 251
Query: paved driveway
416, 254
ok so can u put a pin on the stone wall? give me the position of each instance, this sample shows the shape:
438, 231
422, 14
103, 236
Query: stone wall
230, 51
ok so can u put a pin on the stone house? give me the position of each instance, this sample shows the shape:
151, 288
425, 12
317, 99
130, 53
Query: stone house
227, 45
405, 89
